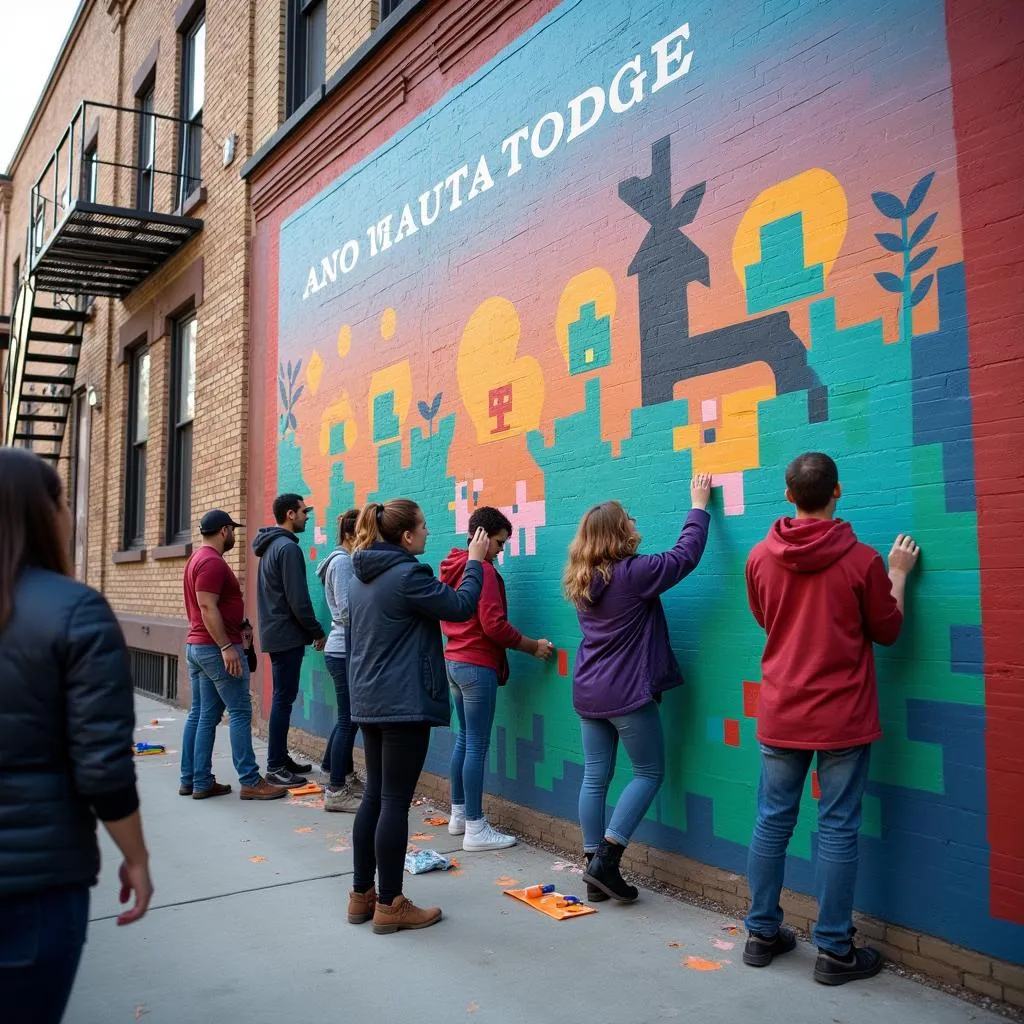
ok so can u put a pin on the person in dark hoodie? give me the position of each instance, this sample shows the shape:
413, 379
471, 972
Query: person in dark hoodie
623, 665
477, 665
287, 626
398, 690
823, 599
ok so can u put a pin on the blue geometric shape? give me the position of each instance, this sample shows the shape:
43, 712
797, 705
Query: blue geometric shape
715, 729
590, 340
966, 650
337, 439
941, 396
385, 421
781, 277
709, 435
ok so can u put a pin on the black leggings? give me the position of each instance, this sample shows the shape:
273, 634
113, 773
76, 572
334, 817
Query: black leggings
394, 759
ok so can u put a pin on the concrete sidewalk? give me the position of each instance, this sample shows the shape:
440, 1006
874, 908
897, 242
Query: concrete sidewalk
248, 925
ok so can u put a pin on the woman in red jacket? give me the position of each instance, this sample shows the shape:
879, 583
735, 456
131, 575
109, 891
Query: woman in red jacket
477, 666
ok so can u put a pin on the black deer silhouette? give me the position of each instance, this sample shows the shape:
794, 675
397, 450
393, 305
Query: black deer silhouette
666, 263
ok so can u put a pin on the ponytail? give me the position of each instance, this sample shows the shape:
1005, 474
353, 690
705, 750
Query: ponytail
385, 521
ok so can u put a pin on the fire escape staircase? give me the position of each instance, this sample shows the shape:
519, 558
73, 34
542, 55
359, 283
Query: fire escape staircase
39, 381
83, 241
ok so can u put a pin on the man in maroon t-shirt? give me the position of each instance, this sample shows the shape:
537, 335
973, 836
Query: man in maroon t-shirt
217, 669
823, 599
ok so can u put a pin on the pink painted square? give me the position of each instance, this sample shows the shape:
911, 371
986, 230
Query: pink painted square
709, 410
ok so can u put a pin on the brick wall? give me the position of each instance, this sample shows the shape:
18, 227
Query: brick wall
507, 355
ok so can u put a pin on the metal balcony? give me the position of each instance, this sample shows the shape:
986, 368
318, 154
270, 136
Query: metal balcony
84, 238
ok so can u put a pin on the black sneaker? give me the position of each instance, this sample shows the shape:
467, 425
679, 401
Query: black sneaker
296, 768
285, 777
859, 963
760, 950
184, 790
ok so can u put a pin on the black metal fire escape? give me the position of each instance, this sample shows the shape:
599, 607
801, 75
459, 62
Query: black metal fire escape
79, 247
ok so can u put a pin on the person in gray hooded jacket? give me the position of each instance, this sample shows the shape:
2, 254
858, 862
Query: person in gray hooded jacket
398, 690
287, 626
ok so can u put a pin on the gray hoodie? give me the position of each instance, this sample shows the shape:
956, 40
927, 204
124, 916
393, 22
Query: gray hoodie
286, 613
335, 572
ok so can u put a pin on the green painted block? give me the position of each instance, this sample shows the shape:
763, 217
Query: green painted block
781, 277
337, 439
590, 340
385, 421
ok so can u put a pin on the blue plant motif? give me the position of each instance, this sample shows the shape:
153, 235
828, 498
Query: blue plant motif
286, 378
428, 412
905, 243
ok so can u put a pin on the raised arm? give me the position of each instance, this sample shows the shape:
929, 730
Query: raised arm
436, 600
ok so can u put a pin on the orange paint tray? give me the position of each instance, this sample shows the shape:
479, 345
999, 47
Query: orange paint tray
546, 904
310, 789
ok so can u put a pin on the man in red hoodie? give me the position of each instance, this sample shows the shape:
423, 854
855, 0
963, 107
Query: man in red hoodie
477, 666
823, 598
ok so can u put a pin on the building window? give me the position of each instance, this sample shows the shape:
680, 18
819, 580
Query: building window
90, 175
193, 94
307, 50
388, 7
183, 408
146, 157
138, 435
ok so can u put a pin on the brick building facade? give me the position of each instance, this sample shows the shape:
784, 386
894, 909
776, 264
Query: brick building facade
215, 78
537, 254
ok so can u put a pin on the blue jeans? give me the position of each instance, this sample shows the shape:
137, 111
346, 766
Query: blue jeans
41, 939
842, 776
475, 692
640, 732
213, 690
287, 668
343, 737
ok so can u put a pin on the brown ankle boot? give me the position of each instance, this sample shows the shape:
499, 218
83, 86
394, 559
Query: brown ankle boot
361, 905
263, 790
403, 914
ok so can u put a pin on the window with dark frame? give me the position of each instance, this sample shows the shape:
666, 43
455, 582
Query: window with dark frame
193, 95
183, 408
137, 437
388, 7
307, 50
146, 150
90, 174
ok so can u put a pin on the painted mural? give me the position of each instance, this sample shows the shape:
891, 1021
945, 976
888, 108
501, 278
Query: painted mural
649, 240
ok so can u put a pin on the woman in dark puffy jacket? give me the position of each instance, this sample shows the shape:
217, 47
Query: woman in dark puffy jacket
398, 689
66, 725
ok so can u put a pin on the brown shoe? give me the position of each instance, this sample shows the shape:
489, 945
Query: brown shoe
217, 789
403, 914
361, 905
263, 790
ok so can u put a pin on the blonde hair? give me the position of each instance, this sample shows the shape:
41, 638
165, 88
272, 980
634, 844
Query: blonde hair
385, 521
606, 535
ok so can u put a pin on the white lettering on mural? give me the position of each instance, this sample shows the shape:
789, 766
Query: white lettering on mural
544, 137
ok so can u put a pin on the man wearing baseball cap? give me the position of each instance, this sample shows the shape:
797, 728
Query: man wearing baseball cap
217, 669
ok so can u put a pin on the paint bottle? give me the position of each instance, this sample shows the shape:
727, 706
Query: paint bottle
534, 892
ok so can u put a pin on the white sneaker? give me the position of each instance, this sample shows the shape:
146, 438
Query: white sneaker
457, 820
481, 836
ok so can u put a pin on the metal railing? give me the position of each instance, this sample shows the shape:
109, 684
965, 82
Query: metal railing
158, 181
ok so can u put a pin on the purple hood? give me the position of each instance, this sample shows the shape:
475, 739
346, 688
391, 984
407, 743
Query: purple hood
625, 658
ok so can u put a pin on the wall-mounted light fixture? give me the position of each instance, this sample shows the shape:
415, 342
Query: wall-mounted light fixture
93, 397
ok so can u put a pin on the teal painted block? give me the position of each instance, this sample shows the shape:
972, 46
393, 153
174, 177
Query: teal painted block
590, 340
385, 420
337, 439
781, 277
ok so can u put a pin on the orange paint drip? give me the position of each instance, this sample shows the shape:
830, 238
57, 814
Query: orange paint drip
436, 822
257, 860
698, 963
423, 836
506, 881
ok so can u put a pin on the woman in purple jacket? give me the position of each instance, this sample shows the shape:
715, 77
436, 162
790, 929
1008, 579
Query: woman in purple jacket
623, 665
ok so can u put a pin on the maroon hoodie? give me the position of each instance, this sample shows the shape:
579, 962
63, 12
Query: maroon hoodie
823, 598
482, 639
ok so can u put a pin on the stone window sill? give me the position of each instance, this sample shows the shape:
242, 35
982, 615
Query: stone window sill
130, 555
172, 551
